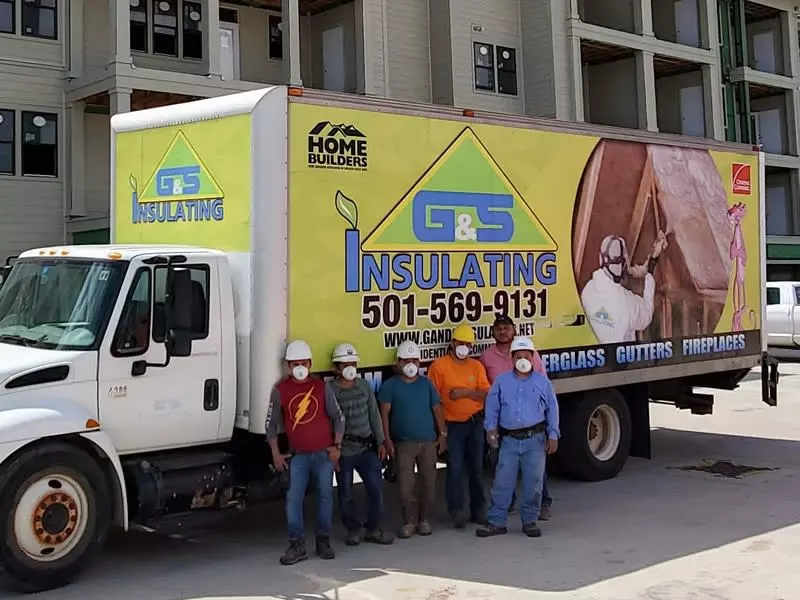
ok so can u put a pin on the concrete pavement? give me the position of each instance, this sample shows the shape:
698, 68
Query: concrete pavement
656, 532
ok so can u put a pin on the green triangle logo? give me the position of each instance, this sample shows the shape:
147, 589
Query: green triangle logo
464, 202
181, 175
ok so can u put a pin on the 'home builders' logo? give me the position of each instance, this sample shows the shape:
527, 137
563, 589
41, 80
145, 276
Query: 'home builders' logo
181, 189
332, 146
462, 222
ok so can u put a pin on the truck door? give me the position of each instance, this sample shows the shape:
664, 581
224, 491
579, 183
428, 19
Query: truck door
778, 316
144, 406
794, 312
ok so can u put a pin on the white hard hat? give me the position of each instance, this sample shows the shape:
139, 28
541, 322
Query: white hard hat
521, 343
298, 350
407, 349
345, 353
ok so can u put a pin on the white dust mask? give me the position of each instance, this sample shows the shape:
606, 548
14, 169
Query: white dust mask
523, 365
349, 373
300, 372
410, 370
462, 351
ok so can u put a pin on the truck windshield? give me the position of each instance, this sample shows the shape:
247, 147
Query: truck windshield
59, 304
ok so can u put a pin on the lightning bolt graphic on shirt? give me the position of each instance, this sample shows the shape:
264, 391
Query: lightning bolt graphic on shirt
302, 408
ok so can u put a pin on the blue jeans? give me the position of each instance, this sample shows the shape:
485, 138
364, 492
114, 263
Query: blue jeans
302, 467
465, 452
547, 499
369, 468
529, 456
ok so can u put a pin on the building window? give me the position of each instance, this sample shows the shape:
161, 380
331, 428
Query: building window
507, 70
39, 19
275, 38
139, 25
165, 27
6, 142
39, 144
7, 16
200, 275
192, 30
228, 15
484, 66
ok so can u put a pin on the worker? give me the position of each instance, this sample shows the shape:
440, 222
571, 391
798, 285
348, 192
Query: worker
306, 411
615, 312
522, 419
363, 448
496, 360
415, 434
462, 385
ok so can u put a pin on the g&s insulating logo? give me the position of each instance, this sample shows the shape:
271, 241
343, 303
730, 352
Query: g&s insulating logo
740, 178
337, 146
181, 189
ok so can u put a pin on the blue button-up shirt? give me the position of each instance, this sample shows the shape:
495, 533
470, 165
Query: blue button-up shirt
518, 402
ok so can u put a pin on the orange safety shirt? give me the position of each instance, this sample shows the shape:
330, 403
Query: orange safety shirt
448, 373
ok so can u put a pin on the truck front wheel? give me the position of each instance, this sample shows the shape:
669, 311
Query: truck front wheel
55, 510
596, 435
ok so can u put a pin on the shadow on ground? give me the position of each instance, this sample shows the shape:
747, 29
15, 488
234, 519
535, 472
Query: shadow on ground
651, 513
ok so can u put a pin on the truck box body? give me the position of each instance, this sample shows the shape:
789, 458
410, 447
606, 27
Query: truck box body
372, 222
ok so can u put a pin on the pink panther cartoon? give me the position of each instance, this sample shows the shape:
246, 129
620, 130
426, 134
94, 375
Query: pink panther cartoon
739, 255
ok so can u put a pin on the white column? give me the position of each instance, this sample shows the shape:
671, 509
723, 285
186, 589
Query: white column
576, 81
643, 17
290, 23
714, 102
120, 13
646, 91
77, 160
211, 38
120, 100
75, 38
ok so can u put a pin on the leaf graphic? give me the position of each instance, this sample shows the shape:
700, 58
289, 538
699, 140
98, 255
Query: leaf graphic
133, 183
347, 208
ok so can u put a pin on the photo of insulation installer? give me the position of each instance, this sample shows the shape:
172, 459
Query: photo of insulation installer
652, 242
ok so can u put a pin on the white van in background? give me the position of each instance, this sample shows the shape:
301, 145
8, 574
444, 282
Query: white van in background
783, 318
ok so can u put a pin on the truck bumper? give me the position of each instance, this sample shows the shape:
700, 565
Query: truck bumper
769, 379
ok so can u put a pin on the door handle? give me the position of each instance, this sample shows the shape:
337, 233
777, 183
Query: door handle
211, 395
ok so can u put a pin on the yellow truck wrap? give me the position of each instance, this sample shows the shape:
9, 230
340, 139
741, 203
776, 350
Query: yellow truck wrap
402, 226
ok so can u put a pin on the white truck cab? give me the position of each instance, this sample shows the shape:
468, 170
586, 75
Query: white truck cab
86, 334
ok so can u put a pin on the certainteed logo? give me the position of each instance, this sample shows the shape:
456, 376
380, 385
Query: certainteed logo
337, 146
740, 178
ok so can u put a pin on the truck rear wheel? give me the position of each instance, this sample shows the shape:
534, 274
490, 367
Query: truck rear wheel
596, 435
55, 510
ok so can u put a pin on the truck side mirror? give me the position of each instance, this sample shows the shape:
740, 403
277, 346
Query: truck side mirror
179, 312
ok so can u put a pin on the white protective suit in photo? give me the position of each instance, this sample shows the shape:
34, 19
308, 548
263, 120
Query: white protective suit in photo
615, 312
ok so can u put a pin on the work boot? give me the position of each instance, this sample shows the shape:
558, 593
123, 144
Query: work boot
532, 530
324, 550
407, 530
544, 515
478, 519
490, 530
460, 519
424, 528
353, 538
379, 537
294, 553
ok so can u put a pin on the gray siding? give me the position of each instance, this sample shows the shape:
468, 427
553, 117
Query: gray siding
24, 50
441, 52
409, 50
499, 21
97, 164
96, 38
370, 25
33, 214
254, 62
537, 56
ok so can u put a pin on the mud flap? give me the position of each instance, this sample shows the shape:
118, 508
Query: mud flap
769, 379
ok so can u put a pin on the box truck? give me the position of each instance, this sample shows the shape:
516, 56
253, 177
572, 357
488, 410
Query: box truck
135, 377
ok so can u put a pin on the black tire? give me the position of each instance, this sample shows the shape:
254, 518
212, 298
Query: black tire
575, 458
18, 571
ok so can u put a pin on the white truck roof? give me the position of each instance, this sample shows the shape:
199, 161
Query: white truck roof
119, 251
